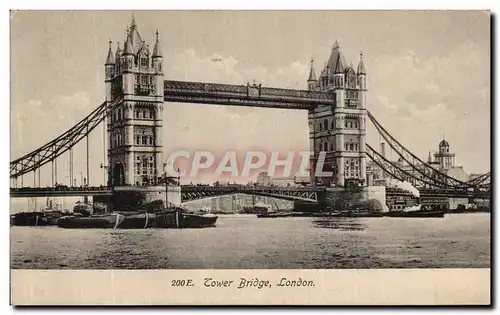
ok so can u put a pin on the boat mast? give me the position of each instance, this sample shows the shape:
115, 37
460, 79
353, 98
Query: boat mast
166, 186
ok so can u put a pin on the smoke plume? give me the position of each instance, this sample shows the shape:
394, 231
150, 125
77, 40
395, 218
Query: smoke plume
406, 186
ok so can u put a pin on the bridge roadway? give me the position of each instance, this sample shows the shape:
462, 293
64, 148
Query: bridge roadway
193, 192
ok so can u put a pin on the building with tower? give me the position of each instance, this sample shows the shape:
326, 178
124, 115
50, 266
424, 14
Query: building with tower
443, 161
443, 157
337, 134
134, 78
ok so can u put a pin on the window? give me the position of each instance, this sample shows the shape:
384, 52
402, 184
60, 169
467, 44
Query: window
333, 125
325, 146
331, 147
151, 141
325, 124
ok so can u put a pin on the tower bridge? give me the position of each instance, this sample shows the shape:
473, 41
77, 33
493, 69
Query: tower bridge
133, 110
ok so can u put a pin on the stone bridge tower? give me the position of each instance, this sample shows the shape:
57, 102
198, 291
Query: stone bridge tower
339, 132
134, 74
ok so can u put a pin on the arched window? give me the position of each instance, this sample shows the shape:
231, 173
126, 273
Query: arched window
320, 127
333, 125
325, 146
325, 124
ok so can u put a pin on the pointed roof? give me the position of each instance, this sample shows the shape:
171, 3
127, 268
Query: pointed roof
128, 49
444, 143
110, 60
312, 74
134, 37
118, 49
336, 61
157, 49
361, 65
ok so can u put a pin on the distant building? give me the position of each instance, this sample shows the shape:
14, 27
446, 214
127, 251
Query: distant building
444, 162
263, 179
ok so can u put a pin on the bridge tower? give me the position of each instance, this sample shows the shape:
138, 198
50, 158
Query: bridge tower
134, 74
339, 131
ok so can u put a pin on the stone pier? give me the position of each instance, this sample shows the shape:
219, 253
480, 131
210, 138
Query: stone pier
125, 197
371, 198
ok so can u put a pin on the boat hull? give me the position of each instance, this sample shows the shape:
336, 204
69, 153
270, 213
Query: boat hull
35, 218
415, 214
137, 221
110, 221
180, 220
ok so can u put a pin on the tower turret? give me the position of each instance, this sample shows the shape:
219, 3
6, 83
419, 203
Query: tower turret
157, 54
312, 81
361, 73
118, 57
110, 63
337, 64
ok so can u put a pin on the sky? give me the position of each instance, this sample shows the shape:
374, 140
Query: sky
428, 76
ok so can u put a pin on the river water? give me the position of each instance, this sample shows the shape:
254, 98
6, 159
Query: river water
245, 241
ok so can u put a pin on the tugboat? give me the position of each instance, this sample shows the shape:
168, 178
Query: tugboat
408, 209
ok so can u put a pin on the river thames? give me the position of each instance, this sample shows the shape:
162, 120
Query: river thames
245, 241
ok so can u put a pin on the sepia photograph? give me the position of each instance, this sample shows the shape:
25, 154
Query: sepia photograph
189, 141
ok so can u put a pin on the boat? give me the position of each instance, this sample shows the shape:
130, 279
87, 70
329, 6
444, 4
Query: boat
415, 214
180, 220
36, 218
137, 220
102, 221
83, 208
277, 215
49, 215
255, 209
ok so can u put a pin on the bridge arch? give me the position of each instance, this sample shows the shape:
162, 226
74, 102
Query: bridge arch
118, 174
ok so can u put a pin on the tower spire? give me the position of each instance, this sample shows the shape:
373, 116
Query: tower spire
128, 49
110, 60
361, 65
312, 74
132, 24
336, 62
157, 49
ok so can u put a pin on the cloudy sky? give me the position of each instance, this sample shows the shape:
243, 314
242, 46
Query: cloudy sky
428, 75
